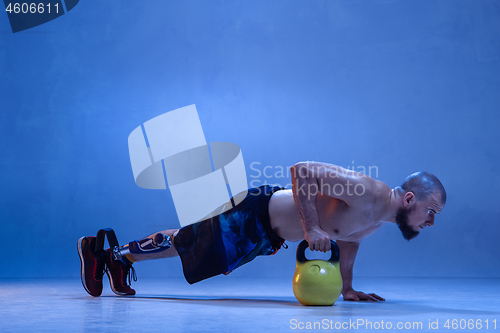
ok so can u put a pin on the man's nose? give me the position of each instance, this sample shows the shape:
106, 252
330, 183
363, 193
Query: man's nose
430, 222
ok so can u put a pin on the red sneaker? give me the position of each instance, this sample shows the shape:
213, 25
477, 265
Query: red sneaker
92, 266
118, 271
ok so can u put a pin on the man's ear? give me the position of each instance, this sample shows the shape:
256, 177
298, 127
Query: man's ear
409, 199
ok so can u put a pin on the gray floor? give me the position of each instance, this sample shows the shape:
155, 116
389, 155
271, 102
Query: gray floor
226, 304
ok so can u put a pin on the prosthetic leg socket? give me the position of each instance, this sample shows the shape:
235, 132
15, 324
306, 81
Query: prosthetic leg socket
159, 243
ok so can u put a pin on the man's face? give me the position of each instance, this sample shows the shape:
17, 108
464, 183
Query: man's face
417, 215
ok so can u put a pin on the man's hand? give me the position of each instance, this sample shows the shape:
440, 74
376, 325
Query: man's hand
318, 240
353, 295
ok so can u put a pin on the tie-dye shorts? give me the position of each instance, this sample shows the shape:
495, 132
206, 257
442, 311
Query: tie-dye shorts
220, 244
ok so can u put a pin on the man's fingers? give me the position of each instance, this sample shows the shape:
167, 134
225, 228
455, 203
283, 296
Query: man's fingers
328, 246
361, 296
311, 244
370, 298
314, 246
373, 297
378, 297
324, 245
320, 245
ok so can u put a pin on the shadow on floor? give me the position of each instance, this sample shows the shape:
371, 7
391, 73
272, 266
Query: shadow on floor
365, 308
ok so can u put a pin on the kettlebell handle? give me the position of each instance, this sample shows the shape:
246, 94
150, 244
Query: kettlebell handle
301, 257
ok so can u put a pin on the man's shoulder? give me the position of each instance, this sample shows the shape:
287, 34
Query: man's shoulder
373, 190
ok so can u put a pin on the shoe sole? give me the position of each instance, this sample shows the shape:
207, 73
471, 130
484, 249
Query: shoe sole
82, 272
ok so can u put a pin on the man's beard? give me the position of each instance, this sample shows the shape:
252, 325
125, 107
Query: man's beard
402, 222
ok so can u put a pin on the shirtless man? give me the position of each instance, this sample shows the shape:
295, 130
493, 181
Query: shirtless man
326, 202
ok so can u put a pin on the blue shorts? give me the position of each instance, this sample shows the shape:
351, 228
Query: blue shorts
220, 244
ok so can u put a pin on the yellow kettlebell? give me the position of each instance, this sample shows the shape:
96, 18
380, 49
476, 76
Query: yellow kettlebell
317, 282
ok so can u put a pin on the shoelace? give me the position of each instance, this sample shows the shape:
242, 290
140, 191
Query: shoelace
127, 274
130, 275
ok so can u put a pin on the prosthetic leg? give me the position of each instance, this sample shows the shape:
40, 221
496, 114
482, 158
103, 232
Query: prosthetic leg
119, 259
159, 243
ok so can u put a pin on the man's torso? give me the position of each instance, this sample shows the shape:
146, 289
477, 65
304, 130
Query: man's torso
340, 221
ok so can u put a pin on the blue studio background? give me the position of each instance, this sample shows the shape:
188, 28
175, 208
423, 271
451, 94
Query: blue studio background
397, 85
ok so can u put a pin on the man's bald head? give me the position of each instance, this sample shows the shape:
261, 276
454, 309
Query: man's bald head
423, 184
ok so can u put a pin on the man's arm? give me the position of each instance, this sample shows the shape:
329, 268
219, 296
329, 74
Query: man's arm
348, 252
304, 195
310, 178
